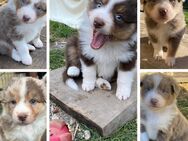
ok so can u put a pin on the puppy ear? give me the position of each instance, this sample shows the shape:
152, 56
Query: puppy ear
175, 88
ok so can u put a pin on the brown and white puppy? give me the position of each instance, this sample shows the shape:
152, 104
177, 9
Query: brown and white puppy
165, 24
24, 110
161, 119
21, 23
106, 44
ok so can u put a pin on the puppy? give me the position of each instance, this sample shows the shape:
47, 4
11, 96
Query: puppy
106, 44
21, 22
165, 24
24, 110
161, 119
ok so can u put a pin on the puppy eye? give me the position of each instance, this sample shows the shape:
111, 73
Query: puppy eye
33, 101
119, 18
13, 102
98, 5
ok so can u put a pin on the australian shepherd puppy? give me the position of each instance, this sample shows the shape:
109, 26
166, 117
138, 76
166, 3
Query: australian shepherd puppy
160, 117
165, 24
106, 45
21, 23
24, 110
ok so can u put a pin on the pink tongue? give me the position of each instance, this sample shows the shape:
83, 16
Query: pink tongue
98, 40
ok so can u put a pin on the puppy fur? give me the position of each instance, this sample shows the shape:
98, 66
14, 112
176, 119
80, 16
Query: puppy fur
161, 119
106, 44
21, 22
24, 110
165, 24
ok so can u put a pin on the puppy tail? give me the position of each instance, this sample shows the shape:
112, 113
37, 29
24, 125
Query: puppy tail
69, 81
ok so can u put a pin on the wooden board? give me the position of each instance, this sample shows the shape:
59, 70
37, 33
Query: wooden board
98, 109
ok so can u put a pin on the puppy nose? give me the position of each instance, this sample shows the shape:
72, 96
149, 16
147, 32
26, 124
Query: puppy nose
163, 12
22, 117
98, 23
26, 18
154, 101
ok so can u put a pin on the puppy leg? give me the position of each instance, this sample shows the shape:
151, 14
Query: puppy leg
158, 52
125, 78
103, 84
30, 47
143, 135
15, 55
22, 48
37, 42
89, 74
173, 46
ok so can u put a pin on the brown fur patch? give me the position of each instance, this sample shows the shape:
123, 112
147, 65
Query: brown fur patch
128, 66
40, 9
21, 3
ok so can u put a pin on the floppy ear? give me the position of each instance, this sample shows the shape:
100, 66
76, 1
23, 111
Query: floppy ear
175, 88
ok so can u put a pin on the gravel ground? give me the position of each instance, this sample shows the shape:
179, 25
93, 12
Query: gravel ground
75, 128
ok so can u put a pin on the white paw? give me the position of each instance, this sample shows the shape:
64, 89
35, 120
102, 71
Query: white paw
71, 83
123, 93
158, 55
38, 43
73, 71
170, 61
103, 84
26, 60
88, 86
144, 137
30, 47
15, 55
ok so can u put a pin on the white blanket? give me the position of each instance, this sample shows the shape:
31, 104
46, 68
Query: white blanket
68, 12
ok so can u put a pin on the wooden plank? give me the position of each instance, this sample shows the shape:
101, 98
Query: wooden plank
98, 109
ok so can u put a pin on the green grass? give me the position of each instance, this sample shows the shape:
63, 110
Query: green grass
186, 17
58, 31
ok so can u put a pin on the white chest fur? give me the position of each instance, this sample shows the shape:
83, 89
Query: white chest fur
156, 121
31, 132
108, 57
30, 31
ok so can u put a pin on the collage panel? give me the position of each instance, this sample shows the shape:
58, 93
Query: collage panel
164, 38
23, 107
93, 69
23, 38
164, 106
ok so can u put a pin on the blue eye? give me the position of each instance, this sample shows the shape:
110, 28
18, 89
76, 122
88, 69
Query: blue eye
33, 101
119, 18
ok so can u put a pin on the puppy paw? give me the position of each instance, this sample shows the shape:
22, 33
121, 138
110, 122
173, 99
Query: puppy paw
170, 61
123, 93
26, 60
38, 43
31, 48
88, 86
71, 83
15, 55
158, 55
73, 71
103, 84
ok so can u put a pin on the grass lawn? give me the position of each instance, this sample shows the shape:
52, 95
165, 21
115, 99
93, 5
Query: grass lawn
127, 132
186, 17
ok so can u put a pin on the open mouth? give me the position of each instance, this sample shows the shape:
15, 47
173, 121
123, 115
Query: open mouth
99, 39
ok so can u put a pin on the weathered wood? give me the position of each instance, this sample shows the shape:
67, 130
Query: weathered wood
98, 109
38, 56
147, 60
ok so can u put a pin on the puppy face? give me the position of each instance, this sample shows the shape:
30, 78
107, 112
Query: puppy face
28, 11
25, 100
158, 91
112, 20
162, 11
